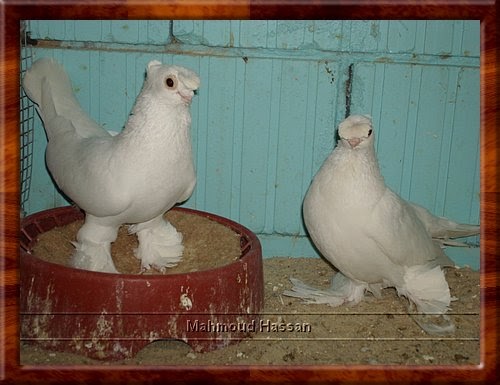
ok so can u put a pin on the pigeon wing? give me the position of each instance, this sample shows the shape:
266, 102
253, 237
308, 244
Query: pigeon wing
399, 233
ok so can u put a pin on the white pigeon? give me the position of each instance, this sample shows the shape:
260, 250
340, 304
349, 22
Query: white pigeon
132, 177
371, 235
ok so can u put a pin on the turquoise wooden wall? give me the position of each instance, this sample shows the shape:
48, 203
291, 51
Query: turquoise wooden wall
271, 97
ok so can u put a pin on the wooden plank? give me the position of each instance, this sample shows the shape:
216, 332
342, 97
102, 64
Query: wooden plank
256, 137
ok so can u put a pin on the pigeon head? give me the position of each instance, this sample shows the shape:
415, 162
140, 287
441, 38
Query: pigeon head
174, 85
356, 132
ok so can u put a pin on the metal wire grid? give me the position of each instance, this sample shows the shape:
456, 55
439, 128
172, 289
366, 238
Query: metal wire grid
27, 118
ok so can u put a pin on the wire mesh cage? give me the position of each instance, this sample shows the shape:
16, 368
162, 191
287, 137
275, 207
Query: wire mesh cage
27, 112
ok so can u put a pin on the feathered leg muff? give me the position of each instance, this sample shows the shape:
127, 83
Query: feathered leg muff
343, 290
426, 287
93, 246
160, 244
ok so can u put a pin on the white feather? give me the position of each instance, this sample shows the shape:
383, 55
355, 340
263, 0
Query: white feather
426, 286
370, 234
170, 247
133, 176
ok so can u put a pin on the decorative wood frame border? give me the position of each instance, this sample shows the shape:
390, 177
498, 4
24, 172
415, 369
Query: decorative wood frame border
12, 11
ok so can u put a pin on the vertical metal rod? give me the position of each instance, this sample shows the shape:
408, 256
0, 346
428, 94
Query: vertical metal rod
171, 37
348, 90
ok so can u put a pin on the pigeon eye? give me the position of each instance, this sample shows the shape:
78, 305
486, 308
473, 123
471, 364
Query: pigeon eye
170, 82
370, 132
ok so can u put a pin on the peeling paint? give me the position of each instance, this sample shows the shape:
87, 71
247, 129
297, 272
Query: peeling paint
39, 323
153, 336
172, 326
384, 59
186, 302
118, 348
102, 331
329, 71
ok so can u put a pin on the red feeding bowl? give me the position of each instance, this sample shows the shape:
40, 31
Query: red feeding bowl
113, 316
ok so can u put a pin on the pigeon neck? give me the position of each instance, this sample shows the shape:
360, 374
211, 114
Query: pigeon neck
361, 171
154, 121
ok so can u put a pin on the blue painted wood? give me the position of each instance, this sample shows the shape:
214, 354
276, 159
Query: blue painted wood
433, 37
255, 34
272, 94
416, 149
124, 31
256, 141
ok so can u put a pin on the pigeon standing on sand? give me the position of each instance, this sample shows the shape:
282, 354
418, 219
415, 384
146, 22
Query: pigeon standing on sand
132, 177
371, 235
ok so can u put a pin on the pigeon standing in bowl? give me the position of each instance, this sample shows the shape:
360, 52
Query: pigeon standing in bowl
132, 177
371, 235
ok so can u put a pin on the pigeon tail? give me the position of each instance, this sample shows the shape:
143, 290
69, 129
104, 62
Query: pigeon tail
343, 290
443, 229
46, 81
45, 69
457, 230
47, 84
460, 230
160, 244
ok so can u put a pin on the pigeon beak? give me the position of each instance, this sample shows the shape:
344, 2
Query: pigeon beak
354, 142
187, 98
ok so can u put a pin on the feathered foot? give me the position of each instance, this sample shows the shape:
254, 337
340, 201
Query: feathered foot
94, 257
160, 245
427, 288
93, 246
434, 324
343, 290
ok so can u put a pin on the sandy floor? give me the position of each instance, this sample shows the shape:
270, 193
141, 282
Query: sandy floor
376, 331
